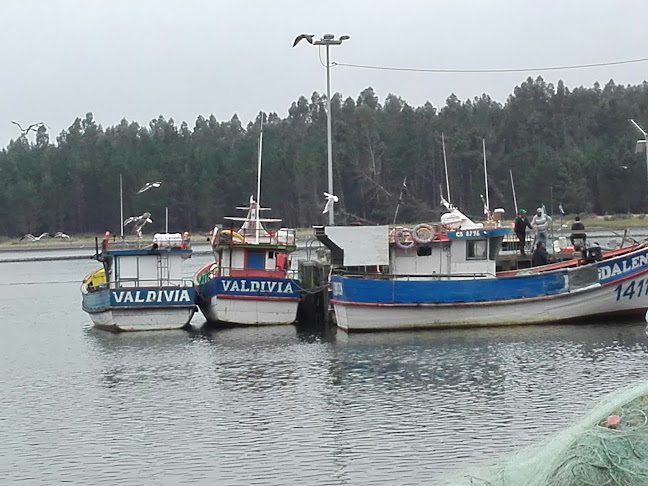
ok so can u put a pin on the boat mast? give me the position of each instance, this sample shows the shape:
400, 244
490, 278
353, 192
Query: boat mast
445, 164
486, 177
258, 222
121, 207
513, 187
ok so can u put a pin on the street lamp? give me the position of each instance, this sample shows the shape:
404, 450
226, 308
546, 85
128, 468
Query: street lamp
327, 40
642, 145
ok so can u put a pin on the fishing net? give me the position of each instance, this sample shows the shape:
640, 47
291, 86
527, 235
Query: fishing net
609, 446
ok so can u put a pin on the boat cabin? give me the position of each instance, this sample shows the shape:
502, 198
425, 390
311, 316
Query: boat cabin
157, 265
252, 251
457, 247
398, 253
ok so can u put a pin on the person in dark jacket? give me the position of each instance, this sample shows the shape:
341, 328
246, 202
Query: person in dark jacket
540, 255
520, 226
578, 231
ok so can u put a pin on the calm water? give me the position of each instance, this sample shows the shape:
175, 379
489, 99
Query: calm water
275, 406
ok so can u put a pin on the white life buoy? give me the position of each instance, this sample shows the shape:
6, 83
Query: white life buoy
403, 238
423, 234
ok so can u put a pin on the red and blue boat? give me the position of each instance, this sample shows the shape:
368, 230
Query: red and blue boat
250, 281
437, 275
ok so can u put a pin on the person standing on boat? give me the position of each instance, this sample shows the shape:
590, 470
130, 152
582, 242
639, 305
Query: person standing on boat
541, 222
540, 255
520, 226
578, 231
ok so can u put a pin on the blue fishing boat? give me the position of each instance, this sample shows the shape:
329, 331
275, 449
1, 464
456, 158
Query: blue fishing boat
444, 275
140, 288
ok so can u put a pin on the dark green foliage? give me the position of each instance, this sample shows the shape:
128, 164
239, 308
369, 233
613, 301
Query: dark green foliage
572, 145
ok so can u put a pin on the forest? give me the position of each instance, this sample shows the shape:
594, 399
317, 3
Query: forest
575, 147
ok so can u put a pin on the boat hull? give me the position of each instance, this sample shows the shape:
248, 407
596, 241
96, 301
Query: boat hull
223, 303
109, 310
136, 320
615, 287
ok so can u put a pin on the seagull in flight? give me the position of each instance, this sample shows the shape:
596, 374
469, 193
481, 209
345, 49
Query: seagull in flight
60, 234
330, 200
33, 126
139, 221
307, 37
31, 237
147, 186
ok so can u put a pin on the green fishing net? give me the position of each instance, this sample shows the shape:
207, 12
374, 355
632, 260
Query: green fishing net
608, 447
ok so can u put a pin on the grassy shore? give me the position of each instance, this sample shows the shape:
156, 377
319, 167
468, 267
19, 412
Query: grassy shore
618, 222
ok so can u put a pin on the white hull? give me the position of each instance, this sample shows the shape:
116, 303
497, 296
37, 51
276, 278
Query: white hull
143, 320
589, 301
249, 312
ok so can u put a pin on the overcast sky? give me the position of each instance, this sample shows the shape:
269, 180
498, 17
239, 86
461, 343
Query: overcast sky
138, 59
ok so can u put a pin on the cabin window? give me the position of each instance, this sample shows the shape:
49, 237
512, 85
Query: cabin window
255, 260
476, 249
271, 255
423, 250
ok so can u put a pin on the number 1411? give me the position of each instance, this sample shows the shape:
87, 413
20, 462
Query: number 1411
631, 290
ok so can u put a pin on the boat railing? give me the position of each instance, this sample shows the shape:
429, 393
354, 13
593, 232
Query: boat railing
280, 237
129, 283
246, 272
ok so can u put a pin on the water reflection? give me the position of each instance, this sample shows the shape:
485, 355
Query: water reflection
281, 405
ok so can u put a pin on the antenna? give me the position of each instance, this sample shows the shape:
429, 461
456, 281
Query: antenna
121, 207
486, 177
259, 180
513, 187
638, 127
445, 163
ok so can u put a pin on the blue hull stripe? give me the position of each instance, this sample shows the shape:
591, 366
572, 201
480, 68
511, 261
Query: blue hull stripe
367, 291
446, 292
251, 288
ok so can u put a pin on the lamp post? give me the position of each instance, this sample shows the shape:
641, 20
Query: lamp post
642, 145
327, 40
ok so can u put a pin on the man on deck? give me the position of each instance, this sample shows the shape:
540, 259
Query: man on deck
520, 226
541, 222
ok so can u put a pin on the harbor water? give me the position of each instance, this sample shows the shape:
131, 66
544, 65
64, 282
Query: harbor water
289, 405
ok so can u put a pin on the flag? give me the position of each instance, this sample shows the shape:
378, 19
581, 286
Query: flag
562, 211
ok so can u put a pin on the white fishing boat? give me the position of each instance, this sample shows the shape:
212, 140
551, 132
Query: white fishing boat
140, 288
251, 281
444, 275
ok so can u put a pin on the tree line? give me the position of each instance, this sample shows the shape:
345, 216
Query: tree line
574, 147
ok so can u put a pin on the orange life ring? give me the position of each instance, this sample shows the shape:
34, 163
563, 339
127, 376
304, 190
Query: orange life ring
425, 228
403, 238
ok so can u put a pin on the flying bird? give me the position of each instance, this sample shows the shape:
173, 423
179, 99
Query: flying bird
330, 200
60, 234
307, 37
139, 221
147, 186
33, 126
31, 237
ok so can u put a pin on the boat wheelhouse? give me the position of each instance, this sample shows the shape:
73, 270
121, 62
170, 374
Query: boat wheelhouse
140, 288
